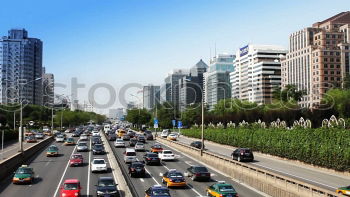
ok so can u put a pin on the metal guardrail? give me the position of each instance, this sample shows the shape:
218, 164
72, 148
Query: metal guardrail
124, 171
300, 184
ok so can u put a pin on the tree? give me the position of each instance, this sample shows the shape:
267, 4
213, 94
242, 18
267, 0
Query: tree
138, 116
346, 82
290, 92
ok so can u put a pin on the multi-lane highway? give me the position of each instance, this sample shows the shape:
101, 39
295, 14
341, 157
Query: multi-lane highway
50, 172
326, 180
194, 188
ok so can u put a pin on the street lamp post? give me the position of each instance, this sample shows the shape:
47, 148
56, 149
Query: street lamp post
202, 147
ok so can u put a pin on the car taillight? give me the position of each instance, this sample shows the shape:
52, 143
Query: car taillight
198, 174
221, 195
149, 158
171, 180
132, 169
76, 194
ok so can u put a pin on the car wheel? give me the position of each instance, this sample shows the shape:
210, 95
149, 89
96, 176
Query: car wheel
239, 159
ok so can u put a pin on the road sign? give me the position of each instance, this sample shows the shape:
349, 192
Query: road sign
174, 122
179, 124
155, 121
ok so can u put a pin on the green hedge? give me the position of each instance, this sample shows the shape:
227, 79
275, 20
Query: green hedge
328, 148
9, 135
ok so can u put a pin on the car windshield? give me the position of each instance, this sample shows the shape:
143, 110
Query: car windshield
175, 175
99, 161
157, 146
226, 188
71, 186
70, 140
60, 136
82, 144
168, 152
53, 148
98, 146
139, 144
200, 169
24, 171
106, 183
120, 141
160, 192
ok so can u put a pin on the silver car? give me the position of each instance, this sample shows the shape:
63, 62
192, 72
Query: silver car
139, 146
82, 146
39, 136
119, 143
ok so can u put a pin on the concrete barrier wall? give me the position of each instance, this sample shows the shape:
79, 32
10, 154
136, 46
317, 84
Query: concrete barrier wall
268, 182
8, 166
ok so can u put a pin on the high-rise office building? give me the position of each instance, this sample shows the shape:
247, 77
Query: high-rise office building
21, 68
191, 86
217, 80
257, 72
48, 88
151, 96
318, 58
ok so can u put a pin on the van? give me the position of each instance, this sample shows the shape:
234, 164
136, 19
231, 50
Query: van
106, 128
129, 155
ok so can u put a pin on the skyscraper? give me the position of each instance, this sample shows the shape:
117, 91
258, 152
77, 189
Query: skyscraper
217, 80
257, 72
21, 68
318, 58
151, 96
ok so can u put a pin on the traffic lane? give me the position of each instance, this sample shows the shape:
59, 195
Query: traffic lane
47, 172
306, 174
13, 148
141, 184
183, 162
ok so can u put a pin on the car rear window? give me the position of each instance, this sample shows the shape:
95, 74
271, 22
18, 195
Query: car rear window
130, 154
168, 152
99, 161
71, 186
200, 169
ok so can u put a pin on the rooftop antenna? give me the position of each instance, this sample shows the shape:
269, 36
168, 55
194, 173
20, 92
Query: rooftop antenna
215, 49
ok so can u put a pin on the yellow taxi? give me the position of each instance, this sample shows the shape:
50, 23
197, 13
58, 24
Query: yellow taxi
344, 190
121, 132
174, 178
69, 141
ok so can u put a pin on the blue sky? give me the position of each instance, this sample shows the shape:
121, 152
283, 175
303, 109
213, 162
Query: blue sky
140, 41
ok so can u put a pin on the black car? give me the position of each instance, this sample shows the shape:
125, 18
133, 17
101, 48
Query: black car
197, 144
132, 142
149, 136
242, 154
96, 140
137, 169
98, 149
106, 187
112, 137
147, 133
141, 138
151, 158
76, 134
198, 173
131, 134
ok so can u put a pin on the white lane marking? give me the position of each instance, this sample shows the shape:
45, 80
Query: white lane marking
48, 162
88, 177
64, 172
149, 173
188, 163
112, 169
312, 181
141, 179
223, 174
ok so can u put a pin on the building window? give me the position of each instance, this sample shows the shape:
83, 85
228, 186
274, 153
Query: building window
338, 65
332, 66
325, 59
326, 72
325, 65
326, 78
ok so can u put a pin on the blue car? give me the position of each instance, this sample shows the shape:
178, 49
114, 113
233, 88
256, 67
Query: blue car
157, 191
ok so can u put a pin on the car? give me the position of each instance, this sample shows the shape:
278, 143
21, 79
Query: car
23, 174
98, 149
157, 191
31, 139
76, 134
172, 137
198, 173
95, 133
151, 158
119, 143
131, 133
166, 155
129, 155
164, 133
242, 154
141, 138
70, 188
197, 144
69, 141
98, 165
83, 137
39, 135
147, 132
221, 189
139, 146
76, 160
106, 187
60, 138
96, 140
344, 190
133, 142
174, 178
149, 136
68, 131
52, 151
156, 148
137, 169
28, 133
82, 146
112, 137
47, 133
126, 137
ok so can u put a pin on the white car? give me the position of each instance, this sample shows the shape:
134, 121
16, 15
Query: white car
60, 138
98, 165
83, 137
139, 146
119, 143
166, 155
130, 155
95, 133
164, 133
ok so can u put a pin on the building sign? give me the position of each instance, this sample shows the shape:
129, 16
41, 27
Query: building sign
244, 50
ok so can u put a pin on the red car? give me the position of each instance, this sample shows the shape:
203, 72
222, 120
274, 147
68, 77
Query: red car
76, 160
70, 188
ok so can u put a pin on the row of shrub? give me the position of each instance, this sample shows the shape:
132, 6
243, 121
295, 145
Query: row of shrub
328, 148
9, 135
